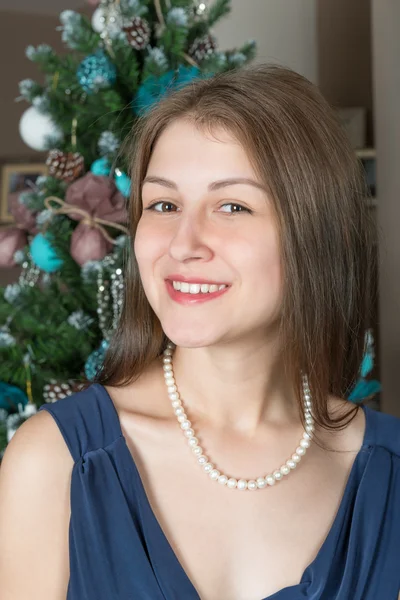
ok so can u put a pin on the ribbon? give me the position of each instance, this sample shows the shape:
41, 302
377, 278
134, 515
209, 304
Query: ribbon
87, 218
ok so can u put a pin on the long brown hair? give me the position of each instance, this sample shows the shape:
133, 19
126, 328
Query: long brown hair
301, 154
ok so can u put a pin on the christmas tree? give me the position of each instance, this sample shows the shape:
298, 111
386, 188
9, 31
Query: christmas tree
70, 236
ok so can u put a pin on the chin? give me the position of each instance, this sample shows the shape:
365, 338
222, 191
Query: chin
190, 337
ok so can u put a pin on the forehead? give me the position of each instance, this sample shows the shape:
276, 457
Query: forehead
185, 144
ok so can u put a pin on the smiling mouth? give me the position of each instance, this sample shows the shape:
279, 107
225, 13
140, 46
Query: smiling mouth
193, 293
197, 288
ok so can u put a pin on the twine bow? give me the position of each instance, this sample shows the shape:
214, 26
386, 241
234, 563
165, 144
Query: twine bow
87, 218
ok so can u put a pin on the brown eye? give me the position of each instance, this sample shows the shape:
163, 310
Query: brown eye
163, 205
237, 208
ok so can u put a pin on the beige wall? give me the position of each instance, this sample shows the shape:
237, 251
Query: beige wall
386, 54
285, 31
344, 54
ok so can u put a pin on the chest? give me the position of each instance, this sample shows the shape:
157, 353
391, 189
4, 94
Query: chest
240, 545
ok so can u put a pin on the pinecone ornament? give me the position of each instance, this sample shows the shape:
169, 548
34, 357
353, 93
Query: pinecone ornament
203, 47
138, 33
66, 166
56, 390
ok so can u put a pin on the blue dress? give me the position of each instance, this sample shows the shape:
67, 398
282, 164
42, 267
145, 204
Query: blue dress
118, 550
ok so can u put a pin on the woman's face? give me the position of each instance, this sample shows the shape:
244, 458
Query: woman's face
207, 219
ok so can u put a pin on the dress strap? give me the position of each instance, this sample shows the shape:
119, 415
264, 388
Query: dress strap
382, 430
87, 420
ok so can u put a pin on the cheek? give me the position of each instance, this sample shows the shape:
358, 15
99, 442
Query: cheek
259, 256
146, 244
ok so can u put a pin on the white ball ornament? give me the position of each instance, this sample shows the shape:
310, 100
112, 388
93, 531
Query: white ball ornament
35, 126
98, 20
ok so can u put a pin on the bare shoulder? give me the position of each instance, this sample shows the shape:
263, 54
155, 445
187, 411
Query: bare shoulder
34, 512
145, 396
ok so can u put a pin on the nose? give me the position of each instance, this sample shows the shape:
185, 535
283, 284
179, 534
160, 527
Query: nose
188, 241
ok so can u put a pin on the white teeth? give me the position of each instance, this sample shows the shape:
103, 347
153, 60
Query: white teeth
197, 288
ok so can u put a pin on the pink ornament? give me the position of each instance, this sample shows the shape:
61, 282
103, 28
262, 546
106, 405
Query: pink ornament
11, 240
98, 198
88, 243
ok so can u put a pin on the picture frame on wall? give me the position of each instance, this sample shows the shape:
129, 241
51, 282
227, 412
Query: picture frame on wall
15, 179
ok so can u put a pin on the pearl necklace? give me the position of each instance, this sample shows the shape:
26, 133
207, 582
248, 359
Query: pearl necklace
203, 461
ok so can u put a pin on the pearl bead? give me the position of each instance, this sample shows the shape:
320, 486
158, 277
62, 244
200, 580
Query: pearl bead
167, 368
185, 424
300, 451
193, 441
231, 483
277, 475
167, 360
285, 470
170, 381
306, 436
197, 450
291, 464
179, 411
176, 403
270, 480
304, 443
222, 479
242, 484
296, 458
261, 483
202, 459
181, 418
252, 485
188, 433
172, 389
208, 467
174, 397
214, 474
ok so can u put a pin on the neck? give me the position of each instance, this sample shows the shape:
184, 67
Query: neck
240, 388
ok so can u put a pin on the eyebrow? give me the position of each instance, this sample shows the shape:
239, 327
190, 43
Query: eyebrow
215, 185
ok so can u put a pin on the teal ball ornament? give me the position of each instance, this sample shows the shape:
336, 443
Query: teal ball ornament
43, 254
11, 396
96, 72
122, 182
101, 166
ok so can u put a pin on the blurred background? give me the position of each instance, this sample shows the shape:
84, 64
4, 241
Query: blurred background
350, 49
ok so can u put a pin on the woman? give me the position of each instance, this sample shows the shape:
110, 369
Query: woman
248, 295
